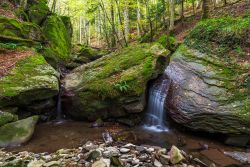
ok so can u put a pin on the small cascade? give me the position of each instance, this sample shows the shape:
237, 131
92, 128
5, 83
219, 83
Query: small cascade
155, 116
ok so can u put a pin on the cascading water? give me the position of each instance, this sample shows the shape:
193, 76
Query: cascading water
155, 110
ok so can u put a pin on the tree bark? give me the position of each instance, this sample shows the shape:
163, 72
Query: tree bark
205, 9
171, 13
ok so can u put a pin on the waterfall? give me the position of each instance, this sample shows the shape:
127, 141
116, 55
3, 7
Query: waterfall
155, 116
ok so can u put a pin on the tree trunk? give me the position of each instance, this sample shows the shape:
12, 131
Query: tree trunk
193, 6
182, 10
205, 9
171, 13
53, 8
113, 41
126, 20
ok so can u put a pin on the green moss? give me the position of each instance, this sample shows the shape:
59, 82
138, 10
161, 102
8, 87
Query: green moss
134, 66
6, 117
59, 46
21, 14
168, 42
220, 35
38, 11
17, 132
31, 77
19, 31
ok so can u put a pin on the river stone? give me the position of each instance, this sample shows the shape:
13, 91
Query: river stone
114, 85
175, 155
18, 132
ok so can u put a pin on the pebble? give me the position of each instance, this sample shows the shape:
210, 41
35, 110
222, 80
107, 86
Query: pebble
124, 150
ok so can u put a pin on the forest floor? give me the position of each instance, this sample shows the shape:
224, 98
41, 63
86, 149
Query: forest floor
183, 27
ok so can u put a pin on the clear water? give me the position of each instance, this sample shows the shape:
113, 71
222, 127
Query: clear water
155, 117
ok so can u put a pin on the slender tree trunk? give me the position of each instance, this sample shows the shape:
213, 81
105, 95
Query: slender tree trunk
126, 20
205, 9
171, 13
53, 8
120, 20
138, 19
80, 29
113, 41
225, 2
164, 13
193, 6
182, 10
23, 4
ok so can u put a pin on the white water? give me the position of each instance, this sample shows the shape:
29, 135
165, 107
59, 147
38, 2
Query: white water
155, 116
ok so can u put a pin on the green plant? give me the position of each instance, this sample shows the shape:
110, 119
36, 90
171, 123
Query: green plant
239, 50
8, 45
122, 86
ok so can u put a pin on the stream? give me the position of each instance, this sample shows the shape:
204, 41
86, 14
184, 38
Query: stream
52, 136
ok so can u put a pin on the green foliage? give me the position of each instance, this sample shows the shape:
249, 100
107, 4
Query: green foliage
122, 86
220, 34
6, 117
168, 42
8, 45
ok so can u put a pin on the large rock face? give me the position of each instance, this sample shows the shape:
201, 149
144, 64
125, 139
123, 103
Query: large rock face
16, 133
58, 35
113, 85
31, 78
210, 78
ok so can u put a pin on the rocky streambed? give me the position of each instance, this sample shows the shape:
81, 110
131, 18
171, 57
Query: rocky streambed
104, 155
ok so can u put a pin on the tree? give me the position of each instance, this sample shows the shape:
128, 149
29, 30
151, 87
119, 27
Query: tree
171, 15
205, 9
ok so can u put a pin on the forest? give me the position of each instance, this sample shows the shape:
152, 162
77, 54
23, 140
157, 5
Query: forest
124, 83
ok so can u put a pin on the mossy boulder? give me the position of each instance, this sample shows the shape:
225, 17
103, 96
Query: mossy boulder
13, 30
31, 79
16, 133
58, 38
6, 117
209, 90
114, 85
37, 11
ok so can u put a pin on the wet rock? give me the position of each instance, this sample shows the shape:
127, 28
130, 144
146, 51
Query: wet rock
18, 132
98, 123
175, 155
107, 137
157, 163
164, 159
52, 163
124, 150
89, 146
102, 163
240, 156
36, 163
111, 152
93, 155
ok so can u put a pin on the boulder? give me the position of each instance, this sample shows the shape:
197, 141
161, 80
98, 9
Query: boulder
58, 40
30, 79
210, 79
13, 30
18, 132
114, 85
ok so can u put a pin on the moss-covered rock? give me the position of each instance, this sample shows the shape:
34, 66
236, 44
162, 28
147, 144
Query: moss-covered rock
18, 132
67, 23
210, 90
114, 84
38, 11
14, 30
58, 38
31, 79
6, 117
